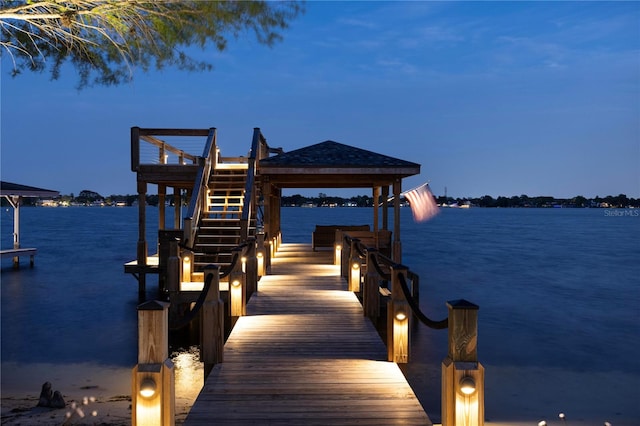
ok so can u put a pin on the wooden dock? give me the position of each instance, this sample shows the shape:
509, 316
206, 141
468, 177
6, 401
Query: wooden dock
305, 355
17, 253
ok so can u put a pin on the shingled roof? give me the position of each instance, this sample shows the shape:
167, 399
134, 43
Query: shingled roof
332, 164
8, 189
334, 154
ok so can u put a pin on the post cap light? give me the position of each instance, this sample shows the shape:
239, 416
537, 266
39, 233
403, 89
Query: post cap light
355, 265
467, 385
338, 247
401, 316
235, 283
148, 388
186, 259
259, 254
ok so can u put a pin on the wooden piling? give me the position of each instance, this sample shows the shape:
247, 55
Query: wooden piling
212, 322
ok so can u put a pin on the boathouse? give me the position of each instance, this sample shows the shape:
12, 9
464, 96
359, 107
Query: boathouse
14, 194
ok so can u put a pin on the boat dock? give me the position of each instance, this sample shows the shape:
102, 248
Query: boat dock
305, 354
304, 345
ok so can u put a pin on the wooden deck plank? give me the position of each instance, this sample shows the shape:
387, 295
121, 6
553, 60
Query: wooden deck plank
305, 355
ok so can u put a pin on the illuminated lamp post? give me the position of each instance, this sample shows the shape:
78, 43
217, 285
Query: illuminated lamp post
398, 318
153, 387
261, 254
337, 255
354, 266
462, 374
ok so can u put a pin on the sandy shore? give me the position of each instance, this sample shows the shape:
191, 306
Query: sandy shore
514, 397
106, 390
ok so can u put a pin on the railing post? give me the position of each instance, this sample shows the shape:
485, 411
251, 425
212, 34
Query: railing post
186, 266
337, 247
173, 269
153, 383
371, 294
212, 325
252, 268
261, 256
346, 254
355, 267
398, 330
237, 289
462, 374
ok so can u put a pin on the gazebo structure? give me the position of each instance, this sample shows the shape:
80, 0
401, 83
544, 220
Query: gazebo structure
331, 164
14, 193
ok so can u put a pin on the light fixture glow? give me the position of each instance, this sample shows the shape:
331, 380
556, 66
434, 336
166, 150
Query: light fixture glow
467, 385
148, 388
355, 265
401, 316
235, 283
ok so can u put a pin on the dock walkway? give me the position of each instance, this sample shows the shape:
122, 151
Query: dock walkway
305, 355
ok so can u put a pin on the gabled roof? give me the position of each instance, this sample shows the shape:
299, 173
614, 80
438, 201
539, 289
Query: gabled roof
8, 189
332, 164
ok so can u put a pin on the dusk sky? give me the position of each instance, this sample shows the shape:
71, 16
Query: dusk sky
490, 98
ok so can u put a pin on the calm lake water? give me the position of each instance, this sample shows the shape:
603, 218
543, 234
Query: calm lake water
558, 291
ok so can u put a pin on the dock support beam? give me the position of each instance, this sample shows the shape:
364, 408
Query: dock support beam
462, 374
141, 252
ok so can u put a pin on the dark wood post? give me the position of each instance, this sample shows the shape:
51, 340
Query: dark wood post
371, 294
344, 258
397, 245
212, 325
142, 241
252, 267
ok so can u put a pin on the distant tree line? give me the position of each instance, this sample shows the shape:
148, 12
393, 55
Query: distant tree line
618, 201
87, 197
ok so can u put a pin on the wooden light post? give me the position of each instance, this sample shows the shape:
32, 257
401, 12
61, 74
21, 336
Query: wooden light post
398, 317
153, 388
462, 374
354, 267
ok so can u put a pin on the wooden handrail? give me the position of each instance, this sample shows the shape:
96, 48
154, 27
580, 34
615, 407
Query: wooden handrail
249, 189
148, 135
200, 188
169, 148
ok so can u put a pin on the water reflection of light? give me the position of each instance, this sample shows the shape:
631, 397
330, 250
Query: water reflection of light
189, 376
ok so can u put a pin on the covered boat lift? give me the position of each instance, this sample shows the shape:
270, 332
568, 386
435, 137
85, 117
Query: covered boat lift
331, 164
14, 193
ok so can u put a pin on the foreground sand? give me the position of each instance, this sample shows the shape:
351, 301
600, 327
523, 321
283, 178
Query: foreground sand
106, 389
514, 396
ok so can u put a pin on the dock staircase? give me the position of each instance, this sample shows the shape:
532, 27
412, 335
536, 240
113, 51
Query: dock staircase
219, 228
